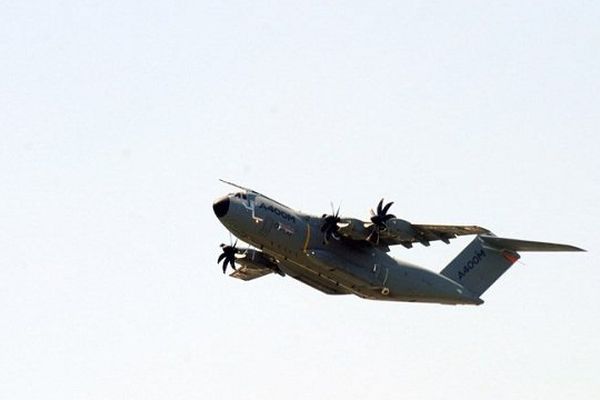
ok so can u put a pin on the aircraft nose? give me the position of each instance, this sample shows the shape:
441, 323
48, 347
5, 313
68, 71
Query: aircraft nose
221, 206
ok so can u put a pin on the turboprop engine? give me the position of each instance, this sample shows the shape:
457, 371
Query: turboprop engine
382, 225
359, 230
353, 228
401, 229
251, 263
257, 260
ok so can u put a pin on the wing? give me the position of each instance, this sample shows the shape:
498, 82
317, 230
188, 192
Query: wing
247, 273
399, 231
425, 234
254, 264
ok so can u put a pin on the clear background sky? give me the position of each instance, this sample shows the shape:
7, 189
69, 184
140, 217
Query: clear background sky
117, 119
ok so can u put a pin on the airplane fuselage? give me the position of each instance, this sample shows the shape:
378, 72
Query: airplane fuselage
337, 266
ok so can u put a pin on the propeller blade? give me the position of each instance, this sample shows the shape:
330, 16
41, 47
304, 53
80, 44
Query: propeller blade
224, 266
374, 234
378, 220
329, 223
231, 261
228, 256
387, 207
379, 205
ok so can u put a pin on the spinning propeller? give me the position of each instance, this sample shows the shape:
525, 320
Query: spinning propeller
228, 255
330, 224
379, 220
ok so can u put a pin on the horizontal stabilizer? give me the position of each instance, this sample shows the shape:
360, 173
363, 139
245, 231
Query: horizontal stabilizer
525, 245
487, 257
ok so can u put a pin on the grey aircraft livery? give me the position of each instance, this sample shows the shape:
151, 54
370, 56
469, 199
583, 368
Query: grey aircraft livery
349, 256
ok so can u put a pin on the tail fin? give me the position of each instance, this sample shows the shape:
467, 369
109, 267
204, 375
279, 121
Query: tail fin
487, 257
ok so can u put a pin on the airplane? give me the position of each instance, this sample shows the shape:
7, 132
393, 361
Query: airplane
341, 256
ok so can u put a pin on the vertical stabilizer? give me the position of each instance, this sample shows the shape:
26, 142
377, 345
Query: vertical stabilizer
478, 266
487, 257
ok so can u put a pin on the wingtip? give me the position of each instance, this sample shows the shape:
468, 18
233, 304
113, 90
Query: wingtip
568, 247
527, 245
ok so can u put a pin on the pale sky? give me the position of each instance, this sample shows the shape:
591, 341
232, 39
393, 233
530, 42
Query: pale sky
118, 118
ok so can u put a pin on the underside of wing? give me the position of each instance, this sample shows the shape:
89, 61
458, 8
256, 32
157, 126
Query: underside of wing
425, 233
449, 231
247, 273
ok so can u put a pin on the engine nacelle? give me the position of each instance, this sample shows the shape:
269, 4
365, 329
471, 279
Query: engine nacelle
353, 228
358, 230
255, 259
401, 229
254, 264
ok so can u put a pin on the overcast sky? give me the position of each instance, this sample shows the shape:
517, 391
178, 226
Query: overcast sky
117, 119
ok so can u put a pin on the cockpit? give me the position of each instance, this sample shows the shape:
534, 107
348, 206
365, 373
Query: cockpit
240, 195
247, 200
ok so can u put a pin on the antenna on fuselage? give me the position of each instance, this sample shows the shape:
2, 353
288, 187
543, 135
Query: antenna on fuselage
236, 185
250, 191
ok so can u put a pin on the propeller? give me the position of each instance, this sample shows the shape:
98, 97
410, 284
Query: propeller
228, 255
379, 220
329, 226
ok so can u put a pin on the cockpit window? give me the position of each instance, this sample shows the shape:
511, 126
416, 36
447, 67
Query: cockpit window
240, 196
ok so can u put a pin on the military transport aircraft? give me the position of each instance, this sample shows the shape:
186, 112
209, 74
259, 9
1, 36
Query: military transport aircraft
349, 256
